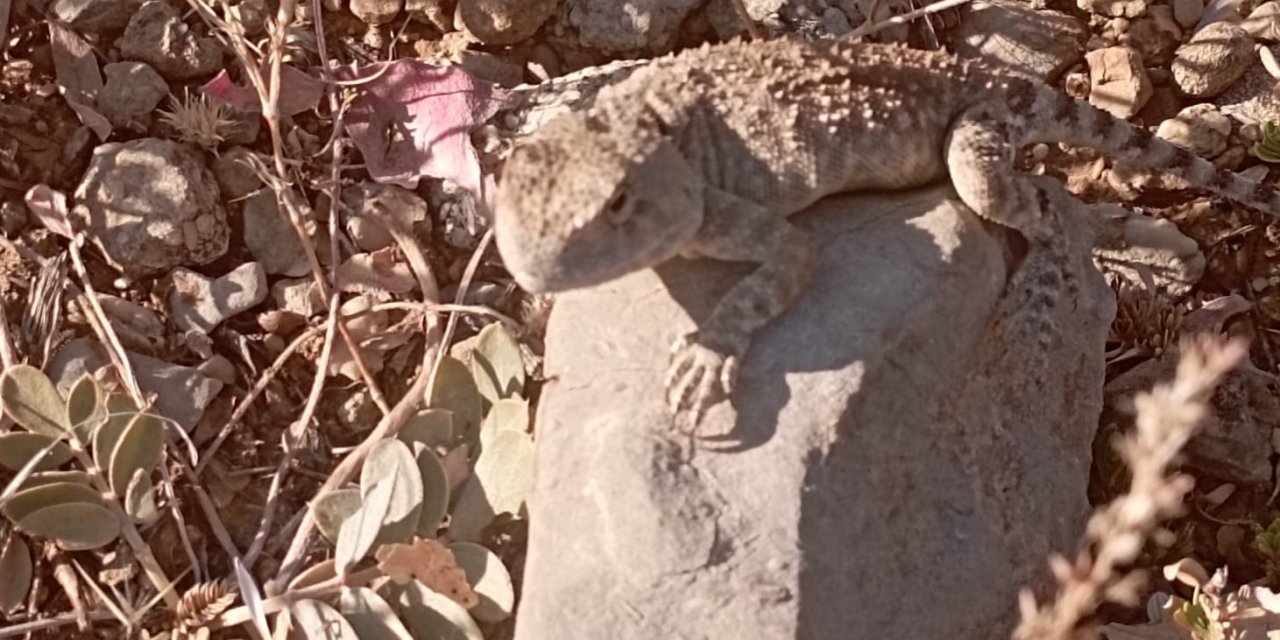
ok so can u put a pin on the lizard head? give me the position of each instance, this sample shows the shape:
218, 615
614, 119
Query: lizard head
579, 204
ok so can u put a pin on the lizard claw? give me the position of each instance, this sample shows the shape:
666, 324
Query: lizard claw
698, 378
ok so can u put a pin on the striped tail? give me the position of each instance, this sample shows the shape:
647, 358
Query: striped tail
1060, 118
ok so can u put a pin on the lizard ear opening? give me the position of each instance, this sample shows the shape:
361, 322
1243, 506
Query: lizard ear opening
618, 209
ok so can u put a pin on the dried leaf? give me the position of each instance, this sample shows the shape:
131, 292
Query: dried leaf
33, 402
252, 599
315, 574
500, 483
315, 620
430, 563
414, 119
140, 497
76, 70
298, 92
376, 272
204, 602
15, 566
50, 207
490, 580
1188, 572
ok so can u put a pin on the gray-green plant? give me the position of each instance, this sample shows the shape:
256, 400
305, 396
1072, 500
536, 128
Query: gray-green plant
1267, 148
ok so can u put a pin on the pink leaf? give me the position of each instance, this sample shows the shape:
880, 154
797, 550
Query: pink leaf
298, 91
50, 206
76, 72
414, 119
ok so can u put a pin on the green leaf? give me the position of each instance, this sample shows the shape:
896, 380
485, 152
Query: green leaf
31, 399
371, 616
50, 477
496, 364
511, 414
139, 448
435, 490
18, 447
140, 498
489, 579
315, 620
333, 508
74, 526
500, 483
455, 390
357, 534
431, 615
394, 458
86, 407
28, 501
107, 435
432, 427
16, 567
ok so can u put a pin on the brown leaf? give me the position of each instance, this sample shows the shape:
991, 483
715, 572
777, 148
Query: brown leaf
76, 70
430, 563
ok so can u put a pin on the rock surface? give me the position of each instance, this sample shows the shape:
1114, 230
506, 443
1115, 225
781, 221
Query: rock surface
900, 437
198, 302
1118, 82
131, 93
1040, 44
638, 25
157, 36
151, 205
1213, 59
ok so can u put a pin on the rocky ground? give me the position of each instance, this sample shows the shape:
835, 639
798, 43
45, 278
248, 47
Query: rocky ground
152, 217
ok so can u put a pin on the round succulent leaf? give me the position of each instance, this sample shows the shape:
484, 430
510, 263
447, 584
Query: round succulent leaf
315, 620
455, 390
140, 498
32, 400
86, 407
435, 490
500, 483
509, 414
50, 477
29, 501
490, 580
370, 615
139, 448
358, 533
432, 427
496, 364
108, 434
432, 615
74, 526
315, 574
16, 567
18, 447
389, 458
333, 508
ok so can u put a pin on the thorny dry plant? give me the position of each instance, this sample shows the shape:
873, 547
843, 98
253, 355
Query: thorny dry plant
1167, 417
199, 120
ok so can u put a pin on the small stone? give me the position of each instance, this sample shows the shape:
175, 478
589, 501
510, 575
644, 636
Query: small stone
1212, 60
835, 22
157, 36
235, 177
358, 413
138, 327
433, 12
280, 322
375, 12
491, 68
13, 217
202, 303
1200, 129
1118, 81
1038, 44
637, 25
151, 205
130, 95
219, 368
500, 22
1155, 35
300, 296
270, 237
369, 235
94, 16
1188, 12
1114, 8
1264, 22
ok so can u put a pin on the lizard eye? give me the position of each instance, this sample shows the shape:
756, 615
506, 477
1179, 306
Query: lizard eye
617, 208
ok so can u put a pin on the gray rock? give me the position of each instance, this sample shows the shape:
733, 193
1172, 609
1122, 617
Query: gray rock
1188, 12
1153, 250
1252, 99
157, 36
1214, 58
1264, 22
900, 428
375, 12
638, 25
1155, 35
138, 327
1114, 8
94, 16
300, 296
198, 302
236, 178
182, 393
270, 237
1039, 44
151, 205
132, 91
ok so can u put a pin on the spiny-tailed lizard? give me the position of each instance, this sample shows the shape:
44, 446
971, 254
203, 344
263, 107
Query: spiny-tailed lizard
706, 154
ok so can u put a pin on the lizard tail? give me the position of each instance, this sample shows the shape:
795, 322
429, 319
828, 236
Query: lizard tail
1060, 118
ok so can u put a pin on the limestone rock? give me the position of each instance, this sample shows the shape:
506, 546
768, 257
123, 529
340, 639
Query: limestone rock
1213, 59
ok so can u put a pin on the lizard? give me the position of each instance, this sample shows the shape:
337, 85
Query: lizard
707, 152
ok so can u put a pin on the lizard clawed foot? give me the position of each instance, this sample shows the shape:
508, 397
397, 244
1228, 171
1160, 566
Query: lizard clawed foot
698, 378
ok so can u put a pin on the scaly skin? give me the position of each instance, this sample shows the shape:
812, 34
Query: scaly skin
706, 154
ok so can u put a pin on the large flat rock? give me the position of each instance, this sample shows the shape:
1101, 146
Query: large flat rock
906, 445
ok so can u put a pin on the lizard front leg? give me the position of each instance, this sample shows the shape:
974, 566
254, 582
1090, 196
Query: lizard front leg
705, 362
